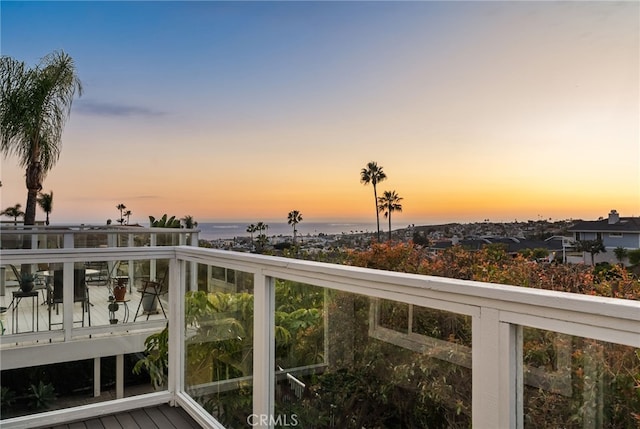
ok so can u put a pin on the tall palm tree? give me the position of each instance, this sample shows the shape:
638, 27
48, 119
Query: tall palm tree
128, 214
15, 212
251, 229
35, 103
121, 207
388, 203
373, 174
293, 218
45, 201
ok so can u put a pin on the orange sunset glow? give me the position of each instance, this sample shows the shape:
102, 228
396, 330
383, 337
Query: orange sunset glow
475, 110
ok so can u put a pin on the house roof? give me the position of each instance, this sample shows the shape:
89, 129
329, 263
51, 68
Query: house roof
625, 224
512, 244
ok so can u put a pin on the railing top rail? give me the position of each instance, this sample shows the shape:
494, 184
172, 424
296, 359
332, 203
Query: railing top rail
31, 256
88, 229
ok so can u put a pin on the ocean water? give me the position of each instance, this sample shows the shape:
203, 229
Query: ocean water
215, 231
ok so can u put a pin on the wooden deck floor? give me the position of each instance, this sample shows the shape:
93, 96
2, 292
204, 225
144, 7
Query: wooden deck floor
32, 311
158, 417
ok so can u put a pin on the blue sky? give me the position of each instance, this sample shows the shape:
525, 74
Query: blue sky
247, 110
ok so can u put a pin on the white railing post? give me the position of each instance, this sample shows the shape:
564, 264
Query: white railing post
67, 299
175, 380
263, 350
130, 266
486, 370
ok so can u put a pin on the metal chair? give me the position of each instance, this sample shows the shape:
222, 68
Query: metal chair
155, 289
80, 293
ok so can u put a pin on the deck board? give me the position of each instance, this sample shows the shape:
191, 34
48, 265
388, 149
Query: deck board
156, 417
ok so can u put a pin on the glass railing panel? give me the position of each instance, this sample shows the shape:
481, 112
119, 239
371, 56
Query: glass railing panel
345, 360
576, 382
219, 343
63, 385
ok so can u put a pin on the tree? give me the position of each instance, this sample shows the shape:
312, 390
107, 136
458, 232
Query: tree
261, 239
374, 175
251, 229
45, 201
128, 214
388, 203
121, 207
620, 253
293, 218
189, 223
593, 247
34, 106
15, 212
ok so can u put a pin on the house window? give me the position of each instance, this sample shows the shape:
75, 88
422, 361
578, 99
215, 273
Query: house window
599, 236
615, 235
577, 236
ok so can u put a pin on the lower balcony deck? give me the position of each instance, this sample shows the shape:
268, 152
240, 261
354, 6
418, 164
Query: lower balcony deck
34, 314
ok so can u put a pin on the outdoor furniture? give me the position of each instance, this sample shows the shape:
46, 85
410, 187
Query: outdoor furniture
99, 273
80, 293
17, 298
154, 289
39, 284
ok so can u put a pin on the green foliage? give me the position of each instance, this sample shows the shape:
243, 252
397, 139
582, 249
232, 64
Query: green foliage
634, 257
7, 398
164, 222
41, 395
620, 253
156, 358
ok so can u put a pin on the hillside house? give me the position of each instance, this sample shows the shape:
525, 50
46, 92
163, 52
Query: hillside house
614, 231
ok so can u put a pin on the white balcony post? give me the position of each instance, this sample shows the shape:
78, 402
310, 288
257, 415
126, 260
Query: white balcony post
263, 348
67, 299
486, 376
176, 294
130, 266
152, 264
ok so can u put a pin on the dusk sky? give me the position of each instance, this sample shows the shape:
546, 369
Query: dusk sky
244, 111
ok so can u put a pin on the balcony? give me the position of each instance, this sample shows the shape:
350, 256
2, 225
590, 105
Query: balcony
259, 341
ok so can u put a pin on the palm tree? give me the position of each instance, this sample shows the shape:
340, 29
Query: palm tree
293, 218
128, 214
593, 247
189, 223
121, 207
34, 106
45, 201
374, 175
15, 212
388, 203
251, 229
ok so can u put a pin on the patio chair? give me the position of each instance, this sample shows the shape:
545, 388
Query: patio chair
156, 289
80, 294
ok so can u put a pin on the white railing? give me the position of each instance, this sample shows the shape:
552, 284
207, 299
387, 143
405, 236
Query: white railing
497, 313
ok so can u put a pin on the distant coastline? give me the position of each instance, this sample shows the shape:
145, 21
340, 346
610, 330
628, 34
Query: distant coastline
230, 230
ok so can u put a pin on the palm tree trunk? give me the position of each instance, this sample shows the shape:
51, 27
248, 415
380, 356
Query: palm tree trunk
389, 225
34, 185
375, 197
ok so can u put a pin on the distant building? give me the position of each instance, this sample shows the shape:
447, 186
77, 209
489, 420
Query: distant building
614, 231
